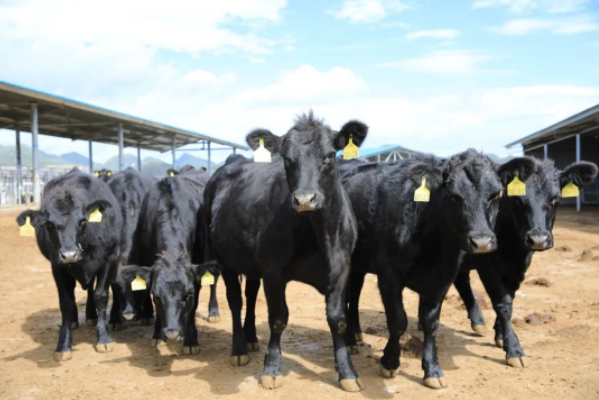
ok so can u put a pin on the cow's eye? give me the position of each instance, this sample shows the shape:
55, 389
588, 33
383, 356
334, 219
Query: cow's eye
82, 222
189, 297
287, 162
456, 199
495, 197
554, 202
328, 158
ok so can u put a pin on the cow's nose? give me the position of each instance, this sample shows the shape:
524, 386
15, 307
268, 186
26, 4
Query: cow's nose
304, 201
482, 244
129, 315
172, 333
537, 241
69, 256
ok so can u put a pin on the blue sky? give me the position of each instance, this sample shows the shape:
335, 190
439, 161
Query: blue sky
436, 76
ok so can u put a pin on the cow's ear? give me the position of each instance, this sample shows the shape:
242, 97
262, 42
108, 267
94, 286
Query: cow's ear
211, 266
129, 272
524, 166
36, 217
272, 142
97, 205
356, 129
581, 174
432, 174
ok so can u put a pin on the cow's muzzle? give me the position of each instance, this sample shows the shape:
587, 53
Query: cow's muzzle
481, 244
70, 256
303, 201
539, 240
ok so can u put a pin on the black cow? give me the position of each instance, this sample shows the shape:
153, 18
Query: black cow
524, 226
283, 221
162, 253
185, 168
129, 187
104, 174
78, 249
419, 245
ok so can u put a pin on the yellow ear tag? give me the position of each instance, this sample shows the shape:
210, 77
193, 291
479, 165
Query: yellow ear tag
207, 279
108, 173
570, 190
27, 230
516, 187
97, 174
138, 284
422, 193
95, 217
261, 154
351, 150
171, 173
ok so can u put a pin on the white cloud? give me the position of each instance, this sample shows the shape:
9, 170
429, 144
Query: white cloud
444, 62
563, 26
368, 10
433, 34
519, 6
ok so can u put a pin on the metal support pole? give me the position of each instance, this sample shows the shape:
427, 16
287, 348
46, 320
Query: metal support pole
138, 158
18, 174
174, 151
209, 159
546, 151
234, 150
36, 157
121, 147
91, 158
378, 157
578, 199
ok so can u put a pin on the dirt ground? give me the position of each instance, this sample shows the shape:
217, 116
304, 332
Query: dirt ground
563, 352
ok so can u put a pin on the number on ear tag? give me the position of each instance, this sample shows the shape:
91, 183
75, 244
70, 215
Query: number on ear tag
422, 193
95, 217
27, 230
138, 284
516, 187
261, 154
207, 279
351, 150
570, 190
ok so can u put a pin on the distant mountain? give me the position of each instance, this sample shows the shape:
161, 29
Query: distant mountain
75, 158
8, 156
499, 160
190, 159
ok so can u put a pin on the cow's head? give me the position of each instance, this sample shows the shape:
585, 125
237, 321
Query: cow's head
172, 281
65, 221
103, 174
534, 213
466, 188
308, 151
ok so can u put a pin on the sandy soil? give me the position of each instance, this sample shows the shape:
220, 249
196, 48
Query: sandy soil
563, 353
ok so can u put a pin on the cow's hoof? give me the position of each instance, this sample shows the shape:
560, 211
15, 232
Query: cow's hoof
271, 382
239, 361
91, 322
517, 362
63, 355
353, 350
351, 385
117, 327
104, 347
214, 319
359, 337
147, 321
253, 346
388, 373
190, 350
435, 383
481, 330
499, 343
74, 325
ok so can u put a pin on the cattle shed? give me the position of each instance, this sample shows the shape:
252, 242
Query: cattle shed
27, 110
387, 153
574, 139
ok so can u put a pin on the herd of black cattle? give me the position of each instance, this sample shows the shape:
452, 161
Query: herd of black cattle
309, 217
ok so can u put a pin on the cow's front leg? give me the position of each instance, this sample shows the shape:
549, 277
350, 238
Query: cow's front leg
336, 301
353, 335
116, 316
104, 343
397, 323
475, 315
502, 304
68, 307
252, 286
430, 312
213, 313
239, 350
191, 344
91, 315
278, 316
146, 315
